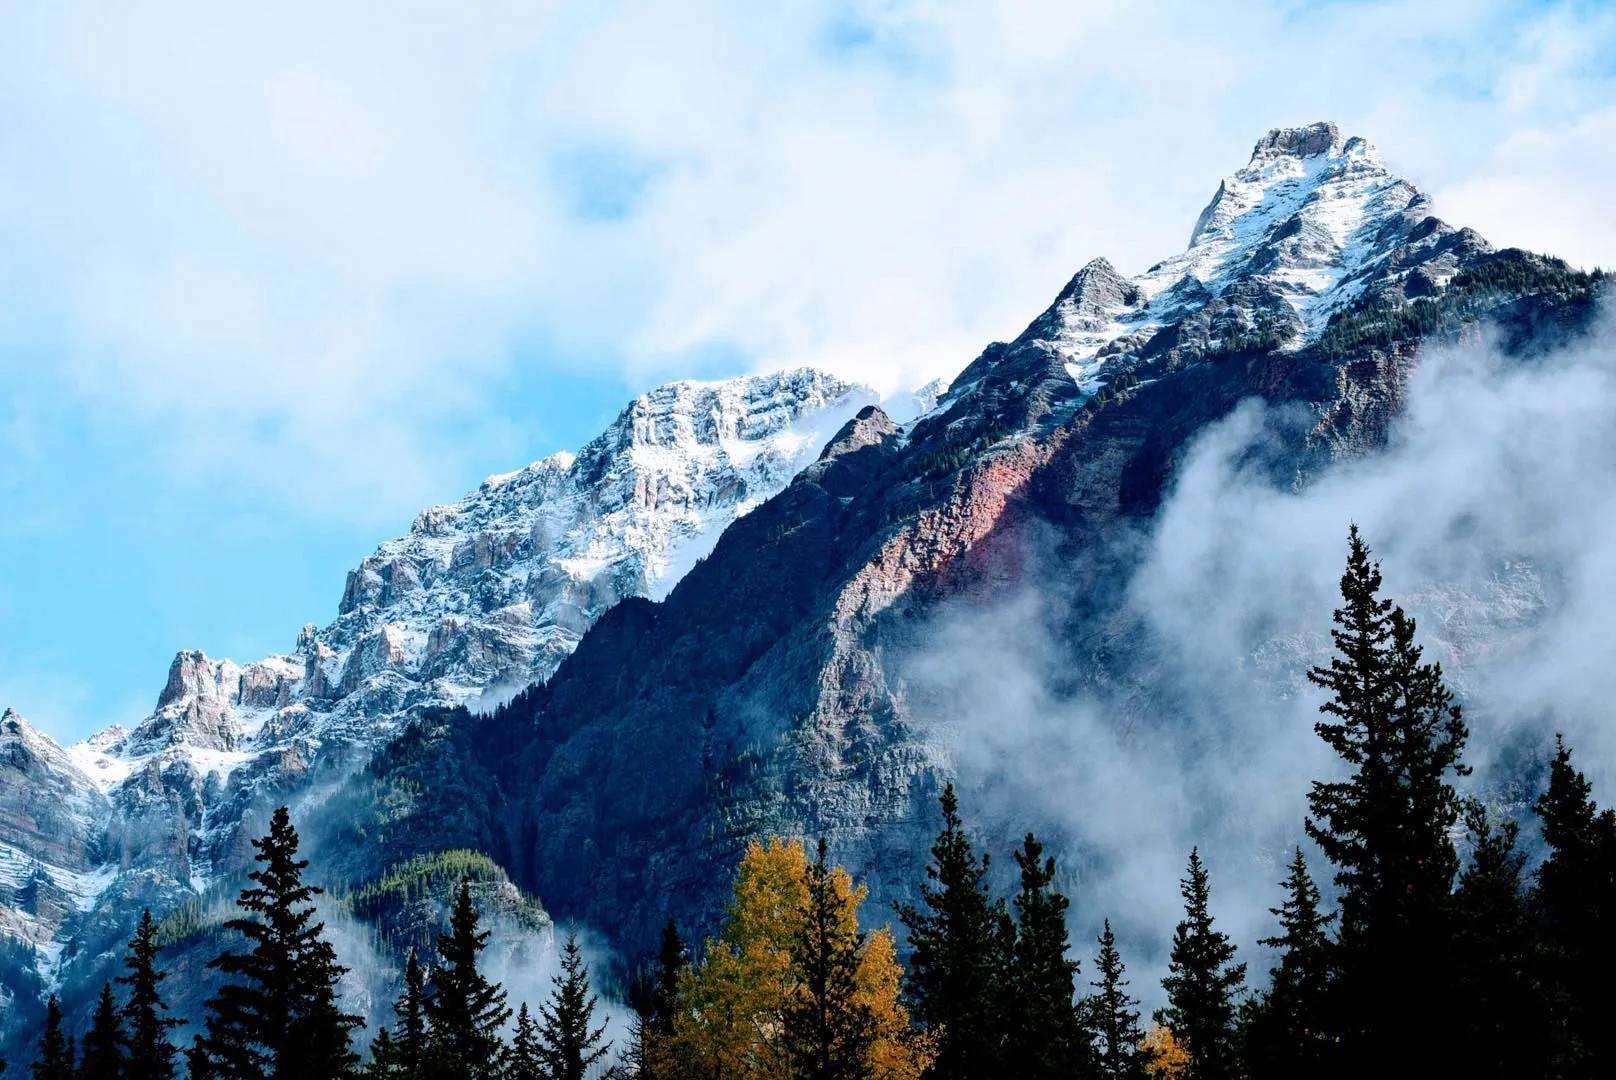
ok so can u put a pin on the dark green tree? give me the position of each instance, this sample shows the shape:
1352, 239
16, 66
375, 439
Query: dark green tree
569, 1044
1202, 983
672, 959
409, 1042
829, 1032
1285, 1030
102, 1050
1046, 1038
1112, 1017
198, 1063
1575, 908
55, 1060
466, 1011
146, 1023
958, 955
524, 1061
278, 1016
1387, 827
1505, 1032
383, 1064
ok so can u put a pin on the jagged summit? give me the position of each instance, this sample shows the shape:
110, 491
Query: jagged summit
1311, 223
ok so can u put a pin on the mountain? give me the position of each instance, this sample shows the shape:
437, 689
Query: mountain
772, 690
716, 608
482, 597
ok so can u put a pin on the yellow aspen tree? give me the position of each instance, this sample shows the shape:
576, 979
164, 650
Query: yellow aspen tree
1165, 1058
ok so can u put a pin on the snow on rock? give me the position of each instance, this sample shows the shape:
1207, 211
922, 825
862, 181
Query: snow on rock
482, 597
1310, 223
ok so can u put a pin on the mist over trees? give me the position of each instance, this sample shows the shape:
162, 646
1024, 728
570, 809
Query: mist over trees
1416, 942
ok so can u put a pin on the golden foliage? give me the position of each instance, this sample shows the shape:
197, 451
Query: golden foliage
730, 1021
1165, 1057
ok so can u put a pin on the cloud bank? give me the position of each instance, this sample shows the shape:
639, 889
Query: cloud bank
313, 250
1494, 514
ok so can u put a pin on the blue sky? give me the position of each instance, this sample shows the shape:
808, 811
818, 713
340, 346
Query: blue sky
272, 281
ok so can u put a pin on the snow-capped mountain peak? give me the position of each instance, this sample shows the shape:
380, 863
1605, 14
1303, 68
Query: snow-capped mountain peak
1309, 224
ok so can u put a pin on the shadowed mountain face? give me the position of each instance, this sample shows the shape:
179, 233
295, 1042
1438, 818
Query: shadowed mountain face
775, 687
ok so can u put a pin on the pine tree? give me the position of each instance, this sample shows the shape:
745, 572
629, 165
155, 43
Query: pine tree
1112, 1017
672, 959
1387, 827
102, 1057
1505, 1030
525, 1062
568, 1046
150, 1054
384, 1064
198, 1063
466, 1011
55, 1046
1045, 1036
830, 1032
1575, 906
1285, 1029
1202, 983
279, 1016
409, 1043
958, 955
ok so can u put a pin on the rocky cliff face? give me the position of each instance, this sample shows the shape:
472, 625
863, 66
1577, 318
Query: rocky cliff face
482, 597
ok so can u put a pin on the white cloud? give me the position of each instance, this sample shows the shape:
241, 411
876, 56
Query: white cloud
299, 246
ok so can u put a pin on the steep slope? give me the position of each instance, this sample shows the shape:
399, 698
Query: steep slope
483, 596
767, 693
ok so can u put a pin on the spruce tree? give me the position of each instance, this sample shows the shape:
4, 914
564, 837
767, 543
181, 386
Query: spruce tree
1504, 1032
569, 1046
524, 1061
1045, 1036
1112, 1017
1202, 983
1285, 1030
55, 1060
1575, 908
383, 1063
278, 1016
409, 1043
672, 959
150, 1054
829, 1031
1387, 827
198, 1063
958, 955
102, 1053
466, 1011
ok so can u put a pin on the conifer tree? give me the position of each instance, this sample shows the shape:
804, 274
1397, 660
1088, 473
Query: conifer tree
409, 1043
1202, 983
101, 1056
1575, 907
525, 1062
279, 1016
672, 959
1387, 826
830, 1031
466, 1011
958, 955
150, 1054
569, 1046
55, 1046
1045, 1036
1504, 1030
384, 1063
1112, 1017
1285, 1031
198, 1063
